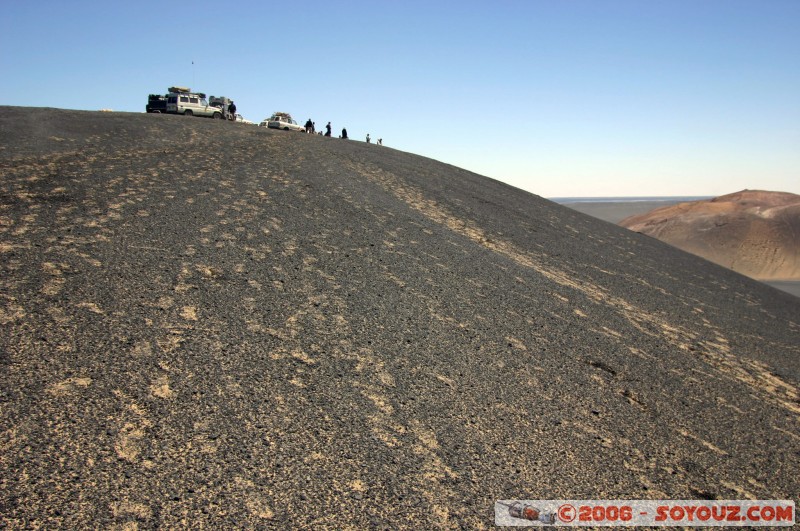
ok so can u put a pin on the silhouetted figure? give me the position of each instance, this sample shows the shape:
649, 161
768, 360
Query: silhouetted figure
380, 141
367, 138
328, 129
344, 133
309, 126
232, 111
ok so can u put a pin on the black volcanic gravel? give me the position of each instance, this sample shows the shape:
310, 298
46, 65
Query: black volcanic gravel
213, 325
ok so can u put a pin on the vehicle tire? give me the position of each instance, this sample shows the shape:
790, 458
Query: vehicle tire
187, 112
217, 116
285, 128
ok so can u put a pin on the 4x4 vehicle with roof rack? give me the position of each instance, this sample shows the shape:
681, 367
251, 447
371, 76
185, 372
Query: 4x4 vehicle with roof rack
156, 103
282, 120
181, 100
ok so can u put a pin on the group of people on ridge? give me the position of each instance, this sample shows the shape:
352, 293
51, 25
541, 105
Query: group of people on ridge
311, 129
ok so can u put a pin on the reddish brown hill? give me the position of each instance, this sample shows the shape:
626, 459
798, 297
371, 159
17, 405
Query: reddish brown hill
753, 232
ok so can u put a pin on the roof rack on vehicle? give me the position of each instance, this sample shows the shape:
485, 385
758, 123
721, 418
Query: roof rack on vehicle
179, 89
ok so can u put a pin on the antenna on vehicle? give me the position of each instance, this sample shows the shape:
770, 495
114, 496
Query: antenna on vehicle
193, 84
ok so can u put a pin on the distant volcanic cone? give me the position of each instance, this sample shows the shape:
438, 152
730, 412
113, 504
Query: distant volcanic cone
753, 232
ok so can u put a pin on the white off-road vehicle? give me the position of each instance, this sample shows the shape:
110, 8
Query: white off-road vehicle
183, 101
283, 120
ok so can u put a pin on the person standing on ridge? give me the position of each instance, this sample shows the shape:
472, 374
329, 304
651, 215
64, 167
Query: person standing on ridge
309, 125
232, 111
367, 138
344, 133
328, 129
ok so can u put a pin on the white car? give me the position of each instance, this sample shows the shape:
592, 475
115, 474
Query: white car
283, 120
191, 104
242, 120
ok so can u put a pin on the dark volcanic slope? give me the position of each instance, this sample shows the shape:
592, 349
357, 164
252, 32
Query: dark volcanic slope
207, 324
754, 232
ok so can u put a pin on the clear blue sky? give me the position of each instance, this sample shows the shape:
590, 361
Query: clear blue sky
558, 97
